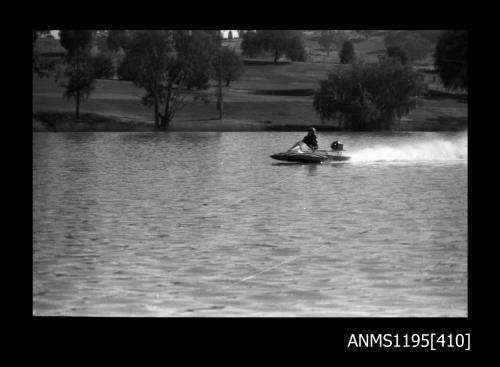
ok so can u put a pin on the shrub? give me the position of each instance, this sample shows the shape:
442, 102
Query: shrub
126, 70
347, 55
369, 97
396, 53
232, 65
251, 44
450, 59
103, 66
279, 42
296, 50
415, 46
49, 63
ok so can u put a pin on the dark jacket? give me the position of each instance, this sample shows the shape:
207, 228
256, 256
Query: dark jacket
311, 140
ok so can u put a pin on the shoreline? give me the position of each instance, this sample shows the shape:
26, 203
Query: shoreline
58, 121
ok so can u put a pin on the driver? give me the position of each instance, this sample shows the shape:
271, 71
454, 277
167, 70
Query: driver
311, 140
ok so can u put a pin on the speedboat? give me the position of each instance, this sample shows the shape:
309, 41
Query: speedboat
300, 152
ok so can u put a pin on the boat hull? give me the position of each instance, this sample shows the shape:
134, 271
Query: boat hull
305, 157
300, 157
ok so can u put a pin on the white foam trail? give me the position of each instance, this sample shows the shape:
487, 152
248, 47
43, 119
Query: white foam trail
433, 150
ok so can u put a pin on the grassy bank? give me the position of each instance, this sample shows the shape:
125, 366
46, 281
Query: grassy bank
66, 121
267, 97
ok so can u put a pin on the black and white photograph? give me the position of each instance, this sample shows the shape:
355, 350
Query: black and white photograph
250, 173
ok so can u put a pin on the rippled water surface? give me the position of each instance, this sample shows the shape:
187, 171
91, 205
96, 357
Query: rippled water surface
206, 224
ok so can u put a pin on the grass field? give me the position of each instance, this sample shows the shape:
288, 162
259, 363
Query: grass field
267, 96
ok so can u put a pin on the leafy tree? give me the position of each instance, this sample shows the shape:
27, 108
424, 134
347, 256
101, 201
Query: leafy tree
295, 50
417, 48
339, 37
232, 65
394, 89
326, 40
415, 44
78, 73
103, 66
450, 59
163, 63
251, 44
101, 40
75, 41
126, 70
368, 97
396, 53
342, 97
149, 56
36, 56
118, 39
196, 50
346, 54
279, 42
79, 80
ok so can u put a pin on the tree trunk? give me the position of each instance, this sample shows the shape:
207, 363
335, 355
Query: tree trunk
78, 93
77, 104
219, 104
165, 119
157, 122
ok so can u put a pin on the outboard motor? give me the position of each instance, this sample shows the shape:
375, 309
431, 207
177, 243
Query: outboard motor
337, 147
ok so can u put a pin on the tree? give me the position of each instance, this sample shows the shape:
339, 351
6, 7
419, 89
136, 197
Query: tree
118, 39
126, 69
326, 40
251, 44
36, 56
295, 49
450, 59
103, 66
368, 97
163, 63
75, 41
279, 42
415, 44
150, 57
339, 37
417, 48
396, 53
232, 65
196, 50
394, 89
347, 55
78, 73
101, 40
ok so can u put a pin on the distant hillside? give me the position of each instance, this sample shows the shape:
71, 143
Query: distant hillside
368, 44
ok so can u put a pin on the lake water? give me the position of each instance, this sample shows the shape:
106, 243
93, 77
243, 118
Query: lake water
206, 224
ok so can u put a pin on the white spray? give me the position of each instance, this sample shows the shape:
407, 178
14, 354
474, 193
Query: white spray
430, 150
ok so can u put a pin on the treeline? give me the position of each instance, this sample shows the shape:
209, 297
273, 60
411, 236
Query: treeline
279, 42
167, 64
162, 62
375, 96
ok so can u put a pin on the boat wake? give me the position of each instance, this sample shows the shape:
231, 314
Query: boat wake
433, 150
